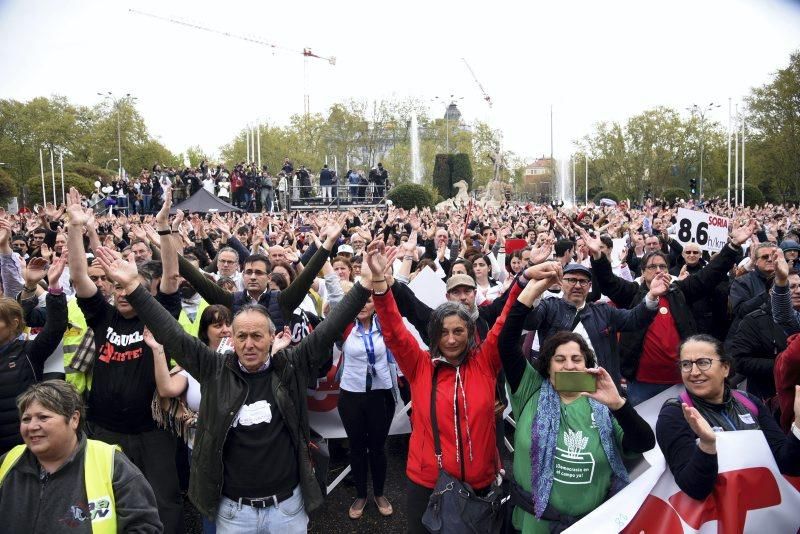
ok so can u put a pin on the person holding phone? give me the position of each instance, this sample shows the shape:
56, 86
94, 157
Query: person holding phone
569, 444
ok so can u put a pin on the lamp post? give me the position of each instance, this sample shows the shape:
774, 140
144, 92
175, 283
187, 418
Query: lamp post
109, 161
701, 111
116, 103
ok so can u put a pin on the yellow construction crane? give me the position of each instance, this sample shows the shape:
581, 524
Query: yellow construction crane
306, 52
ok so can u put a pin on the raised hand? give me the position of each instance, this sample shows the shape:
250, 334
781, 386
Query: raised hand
592, 243
36, 271
742, 234
781, 267
162, 217
699, 425
281, 340
410, 246
150, 340
542, 253
77, 214
45, 251
606, 392
376, 259
123, 272
659, 285
332, 229
56, 270
550, 270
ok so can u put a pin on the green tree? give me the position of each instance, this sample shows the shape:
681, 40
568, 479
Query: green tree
773, 121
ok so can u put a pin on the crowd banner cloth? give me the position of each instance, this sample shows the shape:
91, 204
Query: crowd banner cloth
751, 495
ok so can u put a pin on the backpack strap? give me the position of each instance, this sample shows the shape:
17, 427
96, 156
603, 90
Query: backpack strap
745, 400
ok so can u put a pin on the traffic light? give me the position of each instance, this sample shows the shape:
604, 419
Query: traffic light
693, 185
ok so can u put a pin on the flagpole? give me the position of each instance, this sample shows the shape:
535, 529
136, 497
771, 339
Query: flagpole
247, 144
61, 163
53, 176
729, 151
41, 166
258, 144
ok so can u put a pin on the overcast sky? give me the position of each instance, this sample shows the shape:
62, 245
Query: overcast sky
593, 61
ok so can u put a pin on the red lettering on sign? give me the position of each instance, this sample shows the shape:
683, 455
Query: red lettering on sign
329, 387
735, 493
717, 221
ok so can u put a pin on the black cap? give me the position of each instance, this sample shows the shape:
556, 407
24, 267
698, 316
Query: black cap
577, 268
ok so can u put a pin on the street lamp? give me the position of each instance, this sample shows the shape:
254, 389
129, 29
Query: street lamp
701, 111
116, 102
109, 161
451, 101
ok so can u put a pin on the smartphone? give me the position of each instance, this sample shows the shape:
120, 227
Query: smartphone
575, 381
305, 228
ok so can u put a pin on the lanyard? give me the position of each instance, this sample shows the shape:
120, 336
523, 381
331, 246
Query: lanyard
369, 347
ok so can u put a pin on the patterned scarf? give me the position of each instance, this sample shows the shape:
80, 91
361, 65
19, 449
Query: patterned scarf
544, 438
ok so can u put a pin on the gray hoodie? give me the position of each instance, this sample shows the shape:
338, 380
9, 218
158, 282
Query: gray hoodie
34, 501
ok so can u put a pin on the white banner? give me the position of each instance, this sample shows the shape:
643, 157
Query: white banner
750, 495
706, 229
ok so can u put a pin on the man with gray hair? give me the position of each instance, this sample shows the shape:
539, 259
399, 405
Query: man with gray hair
750, 291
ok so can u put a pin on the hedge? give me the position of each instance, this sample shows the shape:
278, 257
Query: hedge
441, 175
409, 195
71, 179
461, 169
673, 193
87, 170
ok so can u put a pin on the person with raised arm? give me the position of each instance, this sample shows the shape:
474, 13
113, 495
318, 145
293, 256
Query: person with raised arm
568, 446
251, 463
122, 381
456, 380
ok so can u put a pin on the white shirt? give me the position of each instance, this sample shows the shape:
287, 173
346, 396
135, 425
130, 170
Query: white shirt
354, 376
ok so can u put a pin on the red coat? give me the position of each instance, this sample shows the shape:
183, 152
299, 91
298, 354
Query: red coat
787, 375
479, 375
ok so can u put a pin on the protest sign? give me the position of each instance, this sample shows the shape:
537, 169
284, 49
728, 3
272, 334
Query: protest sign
706, 229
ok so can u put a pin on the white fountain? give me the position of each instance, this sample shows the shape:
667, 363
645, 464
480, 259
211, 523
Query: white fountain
565, 193
416, 162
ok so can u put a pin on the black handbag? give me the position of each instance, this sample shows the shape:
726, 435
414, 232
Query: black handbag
454, 507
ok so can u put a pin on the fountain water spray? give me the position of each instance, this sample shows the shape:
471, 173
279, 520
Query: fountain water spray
416, 162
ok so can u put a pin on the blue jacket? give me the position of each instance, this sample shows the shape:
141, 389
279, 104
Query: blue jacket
601, 321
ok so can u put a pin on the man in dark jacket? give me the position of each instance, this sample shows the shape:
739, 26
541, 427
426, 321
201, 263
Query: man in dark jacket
251, 465
750, 291
649, 357
598, 323
754, 347
702, 310
326, 183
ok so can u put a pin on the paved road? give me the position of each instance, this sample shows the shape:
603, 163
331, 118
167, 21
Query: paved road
332, 516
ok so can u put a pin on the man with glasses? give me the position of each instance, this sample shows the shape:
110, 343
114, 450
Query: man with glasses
228, 266
598, 323
751, 291
649, 356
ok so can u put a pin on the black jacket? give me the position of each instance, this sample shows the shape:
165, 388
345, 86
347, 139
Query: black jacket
22, 364
754, 347
681, 295
225, 391
748, 293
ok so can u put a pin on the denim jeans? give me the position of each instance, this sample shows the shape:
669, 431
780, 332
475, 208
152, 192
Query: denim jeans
638, 392
287, 517
146, 204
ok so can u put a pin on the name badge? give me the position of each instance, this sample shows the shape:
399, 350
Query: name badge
663, 310
746, 418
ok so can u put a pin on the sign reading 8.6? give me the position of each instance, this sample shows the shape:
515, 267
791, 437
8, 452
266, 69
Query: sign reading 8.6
685, 232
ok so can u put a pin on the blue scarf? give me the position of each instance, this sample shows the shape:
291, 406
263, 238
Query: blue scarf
544, 438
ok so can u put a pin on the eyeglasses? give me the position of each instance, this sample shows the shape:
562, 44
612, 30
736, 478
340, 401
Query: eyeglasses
227, 262
657, 267
765, 257
577, 281
691, 252
257, 272
703, 364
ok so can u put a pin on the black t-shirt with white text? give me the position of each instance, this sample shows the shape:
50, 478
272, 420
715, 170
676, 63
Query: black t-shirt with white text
259, 457
123, 380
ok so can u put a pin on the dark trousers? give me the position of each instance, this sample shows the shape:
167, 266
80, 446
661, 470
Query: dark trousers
416, 503
366, 418
154, 454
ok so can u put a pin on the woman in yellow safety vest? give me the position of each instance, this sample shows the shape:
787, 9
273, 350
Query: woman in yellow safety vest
39, 481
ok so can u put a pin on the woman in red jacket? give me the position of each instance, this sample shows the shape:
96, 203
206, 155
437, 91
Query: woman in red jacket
465, 386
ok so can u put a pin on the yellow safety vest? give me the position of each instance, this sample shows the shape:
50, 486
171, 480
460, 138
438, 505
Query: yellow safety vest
98, 474
76, 329
192, 327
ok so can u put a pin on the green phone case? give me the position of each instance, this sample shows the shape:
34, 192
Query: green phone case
574, 382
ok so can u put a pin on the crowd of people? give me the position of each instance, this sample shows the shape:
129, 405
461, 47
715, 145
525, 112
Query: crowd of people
247, 187
124, 336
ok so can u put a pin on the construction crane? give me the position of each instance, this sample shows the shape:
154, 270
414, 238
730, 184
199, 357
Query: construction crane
306, 52
486, 96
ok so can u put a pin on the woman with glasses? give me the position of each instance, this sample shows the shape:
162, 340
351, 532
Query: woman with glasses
687, 427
